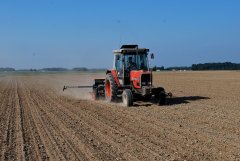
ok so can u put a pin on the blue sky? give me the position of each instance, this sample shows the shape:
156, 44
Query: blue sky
61, 33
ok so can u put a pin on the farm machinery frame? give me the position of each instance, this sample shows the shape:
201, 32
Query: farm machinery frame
130, 79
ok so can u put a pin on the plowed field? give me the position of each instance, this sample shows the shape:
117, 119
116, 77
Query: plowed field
40, 122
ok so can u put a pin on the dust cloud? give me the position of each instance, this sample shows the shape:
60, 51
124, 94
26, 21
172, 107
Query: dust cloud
79, 79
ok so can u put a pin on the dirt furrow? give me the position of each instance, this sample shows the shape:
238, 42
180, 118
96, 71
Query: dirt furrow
4, 108
19, 126
33, 146
63, 144
83, 133
48, 138
4, 119
150, 139
100, 122
66, 143
9, 151
186, 117
149, 135
38, 123
86, 131
188, 133
5, 90
105, 130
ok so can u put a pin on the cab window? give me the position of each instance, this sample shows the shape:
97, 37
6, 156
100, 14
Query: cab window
118, 62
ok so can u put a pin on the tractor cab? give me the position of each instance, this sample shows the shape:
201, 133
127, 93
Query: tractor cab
130, 59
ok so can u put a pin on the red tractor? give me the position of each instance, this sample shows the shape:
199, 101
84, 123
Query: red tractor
130, 78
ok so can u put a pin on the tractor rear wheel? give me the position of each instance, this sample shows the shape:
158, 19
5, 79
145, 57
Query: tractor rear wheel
111, 88
160, 96
127, 97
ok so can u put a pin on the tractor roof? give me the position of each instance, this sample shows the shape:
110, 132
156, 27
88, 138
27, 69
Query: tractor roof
125, 49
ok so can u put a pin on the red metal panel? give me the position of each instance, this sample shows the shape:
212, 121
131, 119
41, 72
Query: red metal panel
114, 74
135, 77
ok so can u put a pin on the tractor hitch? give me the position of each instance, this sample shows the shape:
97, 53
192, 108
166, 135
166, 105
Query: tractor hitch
66, 87
169, 94
98, 89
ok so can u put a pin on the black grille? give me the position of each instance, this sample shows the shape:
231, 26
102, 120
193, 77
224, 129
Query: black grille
145, 79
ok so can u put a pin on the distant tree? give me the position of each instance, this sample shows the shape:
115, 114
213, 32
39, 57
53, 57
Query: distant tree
178, 68
160, 68
80, 69
7, 69
54, 69
216, 66
155, 68
33, 70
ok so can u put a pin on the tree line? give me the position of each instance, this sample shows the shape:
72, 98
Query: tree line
216, 66
55, 69
195, 67
7, 69
204, 66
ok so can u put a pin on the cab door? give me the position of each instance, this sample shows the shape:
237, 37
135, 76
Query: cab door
119, 67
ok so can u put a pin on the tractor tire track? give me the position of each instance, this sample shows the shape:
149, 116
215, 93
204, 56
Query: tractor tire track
108, 130
5, 109
33, 145
19, 125
86, 131
49, 140
61, 137
9, 151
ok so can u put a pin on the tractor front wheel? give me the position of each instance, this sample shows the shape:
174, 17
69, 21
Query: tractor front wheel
110, 88
127, 97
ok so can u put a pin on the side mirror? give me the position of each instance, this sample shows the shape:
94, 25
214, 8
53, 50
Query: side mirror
152, 56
